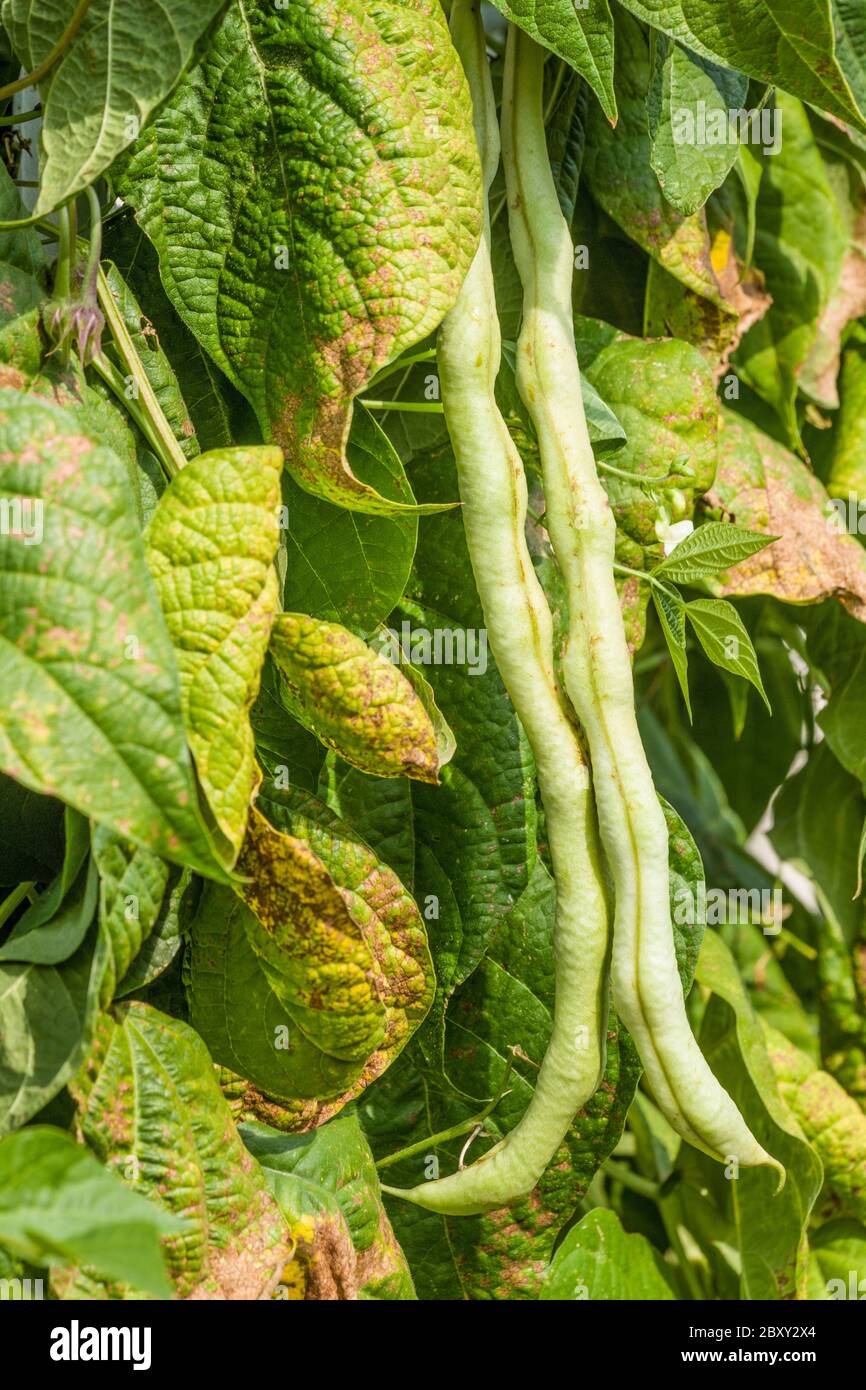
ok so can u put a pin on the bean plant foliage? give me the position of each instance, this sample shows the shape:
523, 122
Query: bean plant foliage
433, 650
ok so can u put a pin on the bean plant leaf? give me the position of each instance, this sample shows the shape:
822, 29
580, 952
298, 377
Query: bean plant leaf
830, 1118
725, 639
96, 715
711, 548
305, 921
850, 31
148, 1105
378, 809
38, 821
761, 486
800, 245
662, 393
335, 959
59, 1206
51, 939
47, 1017
817, 820
598, 1260
688, 106
671, 612
353, 699
770, 1226
112, 77
847, 474
132, 885
582, 35
841, 1009
283, 246
618, 174
328, 1190
792, 45
210, 548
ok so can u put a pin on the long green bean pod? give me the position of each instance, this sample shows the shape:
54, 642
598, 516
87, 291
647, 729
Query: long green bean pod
596, 668
520, 629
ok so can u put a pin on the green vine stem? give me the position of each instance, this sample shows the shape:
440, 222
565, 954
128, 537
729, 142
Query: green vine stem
21, 117
30, 79
13, 900
136, 393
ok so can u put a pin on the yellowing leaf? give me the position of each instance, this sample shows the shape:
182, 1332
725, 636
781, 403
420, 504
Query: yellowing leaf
210, 548
309, 992
762, 486
830, 1119
311, 946
353, 699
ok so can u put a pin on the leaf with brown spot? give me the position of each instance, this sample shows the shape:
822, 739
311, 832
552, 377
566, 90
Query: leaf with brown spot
328, 1190
353, 699
762, 486
92, 709
148, 1104
820, 374
310, 942
309, 991
303, 272
831, 1120
715, 328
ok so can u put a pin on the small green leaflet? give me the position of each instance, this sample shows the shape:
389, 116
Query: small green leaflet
688, 105
711, 548
671, 611
598, 1260
720, 631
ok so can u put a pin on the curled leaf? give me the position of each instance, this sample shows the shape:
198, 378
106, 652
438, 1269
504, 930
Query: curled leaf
210, 548
93, 711
353, 699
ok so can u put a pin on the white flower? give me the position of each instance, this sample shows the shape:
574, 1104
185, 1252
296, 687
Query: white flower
671, 535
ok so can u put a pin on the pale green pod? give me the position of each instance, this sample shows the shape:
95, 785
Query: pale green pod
520, 629
596, 667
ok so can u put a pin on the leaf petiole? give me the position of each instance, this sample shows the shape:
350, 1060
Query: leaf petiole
641, 479
30, 79
136, 393
13, 900
456, 1131
414, 407
641, 574
19, 117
